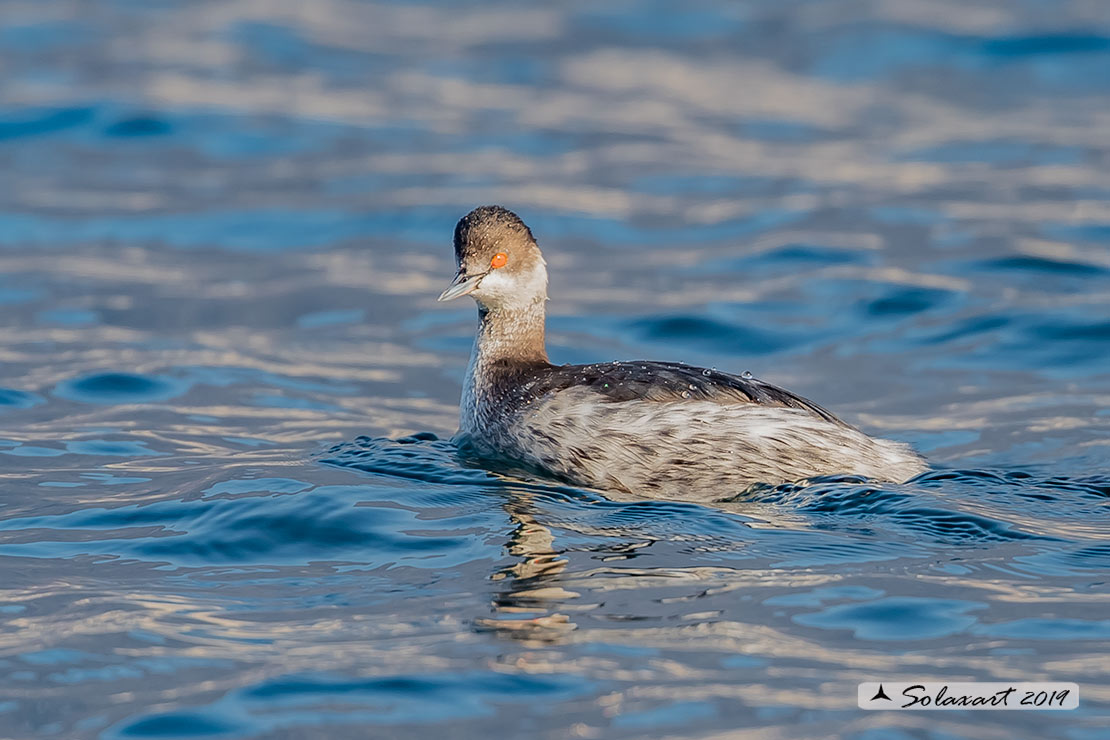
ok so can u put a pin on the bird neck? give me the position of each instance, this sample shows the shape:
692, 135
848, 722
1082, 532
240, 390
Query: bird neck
513, 334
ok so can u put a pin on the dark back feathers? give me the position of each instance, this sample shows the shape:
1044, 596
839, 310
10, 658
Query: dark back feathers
656, 381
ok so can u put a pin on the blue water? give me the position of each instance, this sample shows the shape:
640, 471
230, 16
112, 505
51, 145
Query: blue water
228, 505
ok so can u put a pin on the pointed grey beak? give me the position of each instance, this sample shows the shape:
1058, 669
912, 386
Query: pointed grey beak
461, 285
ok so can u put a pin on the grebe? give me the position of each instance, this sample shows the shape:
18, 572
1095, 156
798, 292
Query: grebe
656, 429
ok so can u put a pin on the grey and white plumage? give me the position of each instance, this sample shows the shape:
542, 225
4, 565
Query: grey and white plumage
656, 429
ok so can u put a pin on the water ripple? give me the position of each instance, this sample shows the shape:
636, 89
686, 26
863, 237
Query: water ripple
222, 229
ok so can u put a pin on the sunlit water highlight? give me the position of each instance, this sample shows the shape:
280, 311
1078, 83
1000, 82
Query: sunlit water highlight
229, 507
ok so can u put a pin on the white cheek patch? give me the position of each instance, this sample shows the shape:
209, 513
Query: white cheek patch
502, 290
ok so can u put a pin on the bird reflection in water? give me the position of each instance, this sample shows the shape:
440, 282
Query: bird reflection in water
532, 604
531, 584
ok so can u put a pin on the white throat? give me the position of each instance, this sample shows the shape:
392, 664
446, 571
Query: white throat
501, 291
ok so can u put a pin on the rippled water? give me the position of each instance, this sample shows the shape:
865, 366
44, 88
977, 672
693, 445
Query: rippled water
228, 509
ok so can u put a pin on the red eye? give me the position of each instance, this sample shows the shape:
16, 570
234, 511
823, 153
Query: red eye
499, 260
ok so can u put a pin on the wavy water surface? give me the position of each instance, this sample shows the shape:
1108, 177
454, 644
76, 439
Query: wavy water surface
228, 507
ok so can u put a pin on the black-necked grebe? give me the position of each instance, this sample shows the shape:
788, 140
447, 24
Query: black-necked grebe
656, 429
